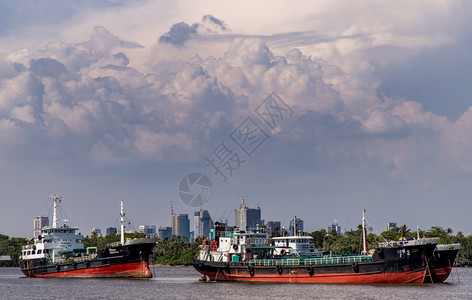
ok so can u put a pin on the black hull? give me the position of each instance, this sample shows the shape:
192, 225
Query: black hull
441, 265
388, 265
124, 261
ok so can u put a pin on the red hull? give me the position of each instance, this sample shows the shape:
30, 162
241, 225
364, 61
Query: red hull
352, 278
440, 274
127, 270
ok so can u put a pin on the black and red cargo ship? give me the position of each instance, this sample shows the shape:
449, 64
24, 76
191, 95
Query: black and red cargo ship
59, 252
247, 257
442, 262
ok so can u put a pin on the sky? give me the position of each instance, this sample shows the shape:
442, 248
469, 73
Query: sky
314, 109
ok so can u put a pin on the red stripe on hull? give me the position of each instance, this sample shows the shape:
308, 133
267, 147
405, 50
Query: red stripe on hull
416, 277
128, 270
440, 274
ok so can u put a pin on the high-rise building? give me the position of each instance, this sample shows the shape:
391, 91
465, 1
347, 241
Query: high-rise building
95, 232
391, 225
247, 218
191, 237
180, 225
147, 229
202, 223
39, 223
272, 226
334, 227
163, 232
111, 231
296, 226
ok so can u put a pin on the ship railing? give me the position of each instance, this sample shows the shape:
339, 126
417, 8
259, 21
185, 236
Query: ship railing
392, 244
329, 260
448, 246
74, 259
273, 262
409, 242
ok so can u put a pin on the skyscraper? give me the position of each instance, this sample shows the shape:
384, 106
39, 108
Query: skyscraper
334, 227
39, 223
202, 223
391, 225
180, 225
273, 225
247, 218
95, 232
163, 232
111, 231
147, 229
296, 226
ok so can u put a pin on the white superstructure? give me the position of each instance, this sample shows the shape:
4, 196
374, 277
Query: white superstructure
55, 241
295, 244
234, 246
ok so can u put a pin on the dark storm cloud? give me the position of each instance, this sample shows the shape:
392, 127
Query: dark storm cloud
47, 67
181, 32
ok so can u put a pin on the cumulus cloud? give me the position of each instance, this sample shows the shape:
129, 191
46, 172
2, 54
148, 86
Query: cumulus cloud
89, 92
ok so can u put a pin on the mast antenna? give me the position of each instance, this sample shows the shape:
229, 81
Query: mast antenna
56, 199
364, 233
122, 217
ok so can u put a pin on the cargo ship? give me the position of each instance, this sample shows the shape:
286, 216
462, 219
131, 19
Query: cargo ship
59, 252
442, 262
248, 257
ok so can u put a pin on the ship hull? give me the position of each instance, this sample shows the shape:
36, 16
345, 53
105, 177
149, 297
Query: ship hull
388, 266
441, 265
301, 274
127, 261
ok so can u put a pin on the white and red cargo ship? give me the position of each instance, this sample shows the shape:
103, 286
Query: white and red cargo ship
59, 252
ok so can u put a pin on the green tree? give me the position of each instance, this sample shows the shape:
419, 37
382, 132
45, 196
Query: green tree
12, 247
318, 238
174, 252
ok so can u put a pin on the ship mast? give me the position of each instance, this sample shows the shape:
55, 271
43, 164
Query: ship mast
364, 237
55, 220
243, 215
122, 216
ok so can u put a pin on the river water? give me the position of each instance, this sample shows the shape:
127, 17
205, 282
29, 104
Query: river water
182, 283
